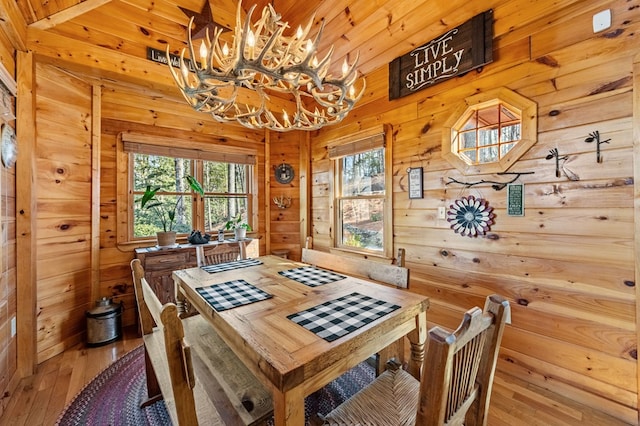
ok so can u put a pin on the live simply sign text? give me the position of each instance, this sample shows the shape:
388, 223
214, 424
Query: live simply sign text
456, 52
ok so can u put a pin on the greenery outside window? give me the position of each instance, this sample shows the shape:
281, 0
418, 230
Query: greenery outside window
489, 132
226, 174
362, 195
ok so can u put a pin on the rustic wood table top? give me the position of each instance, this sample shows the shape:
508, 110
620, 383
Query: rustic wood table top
288, 358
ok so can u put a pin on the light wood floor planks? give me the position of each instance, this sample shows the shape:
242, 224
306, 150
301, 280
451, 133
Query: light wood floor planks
39, 400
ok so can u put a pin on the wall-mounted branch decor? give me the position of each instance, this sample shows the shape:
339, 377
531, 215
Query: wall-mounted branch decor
470, 217
595, 137
554, 153
495, 185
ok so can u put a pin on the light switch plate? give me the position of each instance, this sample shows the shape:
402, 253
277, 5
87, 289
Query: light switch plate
602, 21
13, 326
441, 213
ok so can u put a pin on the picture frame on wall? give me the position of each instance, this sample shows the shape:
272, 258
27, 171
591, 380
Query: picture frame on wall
515, 199
415, 182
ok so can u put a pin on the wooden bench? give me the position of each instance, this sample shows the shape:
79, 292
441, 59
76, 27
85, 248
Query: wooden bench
200, 379
384, 273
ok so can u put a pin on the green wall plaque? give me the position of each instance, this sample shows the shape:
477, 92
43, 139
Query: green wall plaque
515, 199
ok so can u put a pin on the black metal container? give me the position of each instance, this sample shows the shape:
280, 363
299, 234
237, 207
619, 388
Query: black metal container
104, 322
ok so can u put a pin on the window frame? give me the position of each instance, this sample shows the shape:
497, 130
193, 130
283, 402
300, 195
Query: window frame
379, 137
526, 108
196, 152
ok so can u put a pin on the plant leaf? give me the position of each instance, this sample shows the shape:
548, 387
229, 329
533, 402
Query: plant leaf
195, 185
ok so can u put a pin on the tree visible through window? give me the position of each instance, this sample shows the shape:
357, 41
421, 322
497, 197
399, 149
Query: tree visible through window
226, 187
361, 200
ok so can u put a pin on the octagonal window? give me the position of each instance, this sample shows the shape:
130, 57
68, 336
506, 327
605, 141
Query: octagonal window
489, 132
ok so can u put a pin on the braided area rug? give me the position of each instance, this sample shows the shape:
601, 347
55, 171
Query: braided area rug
113, 397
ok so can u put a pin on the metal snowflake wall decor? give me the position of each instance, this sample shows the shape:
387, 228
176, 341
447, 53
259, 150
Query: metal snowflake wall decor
470, 217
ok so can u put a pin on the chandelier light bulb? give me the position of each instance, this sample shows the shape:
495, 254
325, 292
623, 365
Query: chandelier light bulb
261, 61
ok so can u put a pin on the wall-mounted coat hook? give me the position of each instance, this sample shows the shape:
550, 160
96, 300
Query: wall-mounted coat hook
554, 153
595, 136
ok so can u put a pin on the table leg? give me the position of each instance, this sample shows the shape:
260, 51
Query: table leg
418, 338
288, 407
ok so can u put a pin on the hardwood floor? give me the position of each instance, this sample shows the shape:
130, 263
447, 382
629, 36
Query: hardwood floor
39, 400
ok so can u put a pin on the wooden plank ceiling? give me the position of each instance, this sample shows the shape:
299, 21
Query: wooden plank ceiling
379, 30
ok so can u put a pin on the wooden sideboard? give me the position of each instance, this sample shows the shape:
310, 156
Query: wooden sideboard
159, 263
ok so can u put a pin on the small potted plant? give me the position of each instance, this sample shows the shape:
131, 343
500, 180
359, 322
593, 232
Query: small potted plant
239, 227
166, 212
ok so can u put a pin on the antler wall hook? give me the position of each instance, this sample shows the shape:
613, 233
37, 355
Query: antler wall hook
595, 136
282, 201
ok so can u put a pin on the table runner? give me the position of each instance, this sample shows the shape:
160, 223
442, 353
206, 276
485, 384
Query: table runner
232, 294
227, 266
336, 318
311, 276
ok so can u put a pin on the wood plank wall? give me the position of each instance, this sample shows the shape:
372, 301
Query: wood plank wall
63, 221
285, 223
568, 265
8, 344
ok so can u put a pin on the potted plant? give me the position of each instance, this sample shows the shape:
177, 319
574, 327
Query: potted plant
166, 212
239, 227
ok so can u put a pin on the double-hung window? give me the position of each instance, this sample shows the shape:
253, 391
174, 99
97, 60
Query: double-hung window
227, 178
362, 195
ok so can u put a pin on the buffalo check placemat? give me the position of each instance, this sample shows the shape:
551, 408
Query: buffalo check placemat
227, 266
336, 318
232, 294
312, 276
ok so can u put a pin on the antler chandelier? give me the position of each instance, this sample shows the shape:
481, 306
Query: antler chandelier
263, 59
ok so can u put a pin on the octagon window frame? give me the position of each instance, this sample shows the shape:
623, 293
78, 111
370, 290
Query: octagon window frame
526, 108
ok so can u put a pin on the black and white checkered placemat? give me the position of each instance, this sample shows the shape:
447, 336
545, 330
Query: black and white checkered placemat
227, 266
336, 318
232, 294
312, 276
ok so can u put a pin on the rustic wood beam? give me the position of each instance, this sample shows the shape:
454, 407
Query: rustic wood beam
13, 24
67, 14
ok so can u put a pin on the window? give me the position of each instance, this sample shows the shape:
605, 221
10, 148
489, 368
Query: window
362, 195
227, 179
489, 132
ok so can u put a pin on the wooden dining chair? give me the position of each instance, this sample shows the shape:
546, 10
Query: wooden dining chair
220, 253
456, 380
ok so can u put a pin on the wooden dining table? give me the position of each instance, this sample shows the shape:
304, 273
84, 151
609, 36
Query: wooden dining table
291, 360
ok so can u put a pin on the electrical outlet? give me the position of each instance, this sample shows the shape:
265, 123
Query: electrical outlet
441, 213
13, 326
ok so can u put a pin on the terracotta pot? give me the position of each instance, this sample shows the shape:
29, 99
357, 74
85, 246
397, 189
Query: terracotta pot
166, 239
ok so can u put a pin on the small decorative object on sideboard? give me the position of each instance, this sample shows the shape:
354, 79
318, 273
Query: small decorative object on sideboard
239, 227
196, 237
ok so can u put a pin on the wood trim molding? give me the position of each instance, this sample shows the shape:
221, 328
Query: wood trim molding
67, 14
13, 24
96, 136
636, 203
26, 213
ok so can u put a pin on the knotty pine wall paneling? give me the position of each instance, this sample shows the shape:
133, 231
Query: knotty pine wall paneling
63, 193
285, 223
8, 303
568, 265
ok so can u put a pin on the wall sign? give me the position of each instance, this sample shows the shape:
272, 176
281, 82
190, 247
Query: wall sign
456, 52
415, 182
515, 199
160, 56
